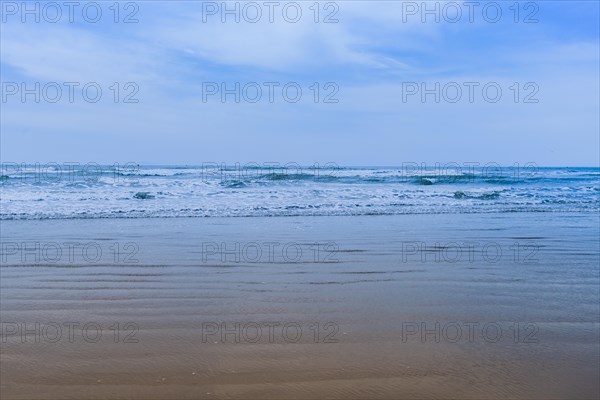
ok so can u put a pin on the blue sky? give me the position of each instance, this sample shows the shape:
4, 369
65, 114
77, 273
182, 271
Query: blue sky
370, 54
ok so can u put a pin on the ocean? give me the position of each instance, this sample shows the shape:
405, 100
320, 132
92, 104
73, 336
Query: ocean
73, 191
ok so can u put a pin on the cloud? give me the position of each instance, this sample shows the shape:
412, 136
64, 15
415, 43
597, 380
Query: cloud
368, 53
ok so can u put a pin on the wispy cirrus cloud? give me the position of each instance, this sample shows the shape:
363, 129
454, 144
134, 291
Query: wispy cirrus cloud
373, 48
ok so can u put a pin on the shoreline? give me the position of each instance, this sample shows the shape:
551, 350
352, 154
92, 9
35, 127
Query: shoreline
362, 292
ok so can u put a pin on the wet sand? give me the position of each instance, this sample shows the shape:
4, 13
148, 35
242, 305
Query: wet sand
377, 301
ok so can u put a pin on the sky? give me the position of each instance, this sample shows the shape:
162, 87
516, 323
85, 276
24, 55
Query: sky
361, 83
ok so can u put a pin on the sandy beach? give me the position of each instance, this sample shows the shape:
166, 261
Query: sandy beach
407, 306
299, 200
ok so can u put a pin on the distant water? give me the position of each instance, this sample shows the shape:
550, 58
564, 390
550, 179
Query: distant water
62, 192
